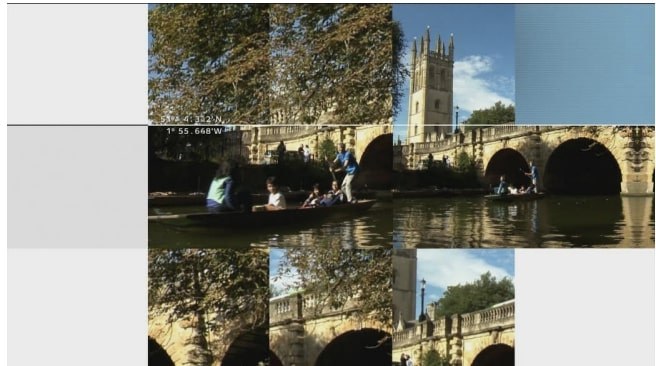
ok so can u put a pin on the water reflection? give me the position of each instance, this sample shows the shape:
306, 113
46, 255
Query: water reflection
555, 221
371, 229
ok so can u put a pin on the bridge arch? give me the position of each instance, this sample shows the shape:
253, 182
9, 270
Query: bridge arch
582, 166
366, 346
376, 162
495, 355
248, 349
274, 360
508, 162
157, 355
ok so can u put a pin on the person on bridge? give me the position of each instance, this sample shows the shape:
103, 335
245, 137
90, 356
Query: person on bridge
533, 174
403, 361
281, 149
349, 165
408, 361
276, 199
222, 195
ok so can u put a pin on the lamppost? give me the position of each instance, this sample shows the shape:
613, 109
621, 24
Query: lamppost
423, 289
457, 127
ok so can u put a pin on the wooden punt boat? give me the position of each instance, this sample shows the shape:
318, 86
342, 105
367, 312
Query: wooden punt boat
515, 197
262, 218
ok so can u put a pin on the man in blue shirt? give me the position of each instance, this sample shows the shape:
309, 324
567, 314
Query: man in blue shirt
349, 165
534, 176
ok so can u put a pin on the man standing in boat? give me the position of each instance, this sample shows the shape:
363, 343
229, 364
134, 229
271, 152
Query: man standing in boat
349, 165
533, 174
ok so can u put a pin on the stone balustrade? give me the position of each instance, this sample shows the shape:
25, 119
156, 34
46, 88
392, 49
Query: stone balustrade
301, 305
500, 315
488, 318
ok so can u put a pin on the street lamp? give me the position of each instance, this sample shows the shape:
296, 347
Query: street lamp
423, 289
457, 127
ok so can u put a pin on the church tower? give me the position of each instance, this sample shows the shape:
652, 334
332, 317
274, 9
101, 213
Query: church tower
431, 90
404, 287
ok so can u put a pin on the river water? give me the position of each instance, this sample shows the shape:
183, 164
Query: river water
373, 228
460, 222
553, 222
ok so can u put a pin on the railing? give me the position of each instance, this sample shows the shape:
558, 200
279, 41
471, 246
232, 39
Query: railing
488, 318
281, 133
300, 306
501, 315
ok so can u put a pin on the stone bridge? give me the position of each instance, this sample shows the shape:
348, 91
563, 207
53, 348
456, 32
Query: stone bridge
304, 333
613, 159
481, 338
362, 140
176, 343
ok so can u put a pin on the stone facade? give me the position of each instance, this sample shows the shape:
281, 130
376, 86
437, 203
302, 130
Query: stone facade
260, 140
300, 329
459, 338
631, 147
430, 105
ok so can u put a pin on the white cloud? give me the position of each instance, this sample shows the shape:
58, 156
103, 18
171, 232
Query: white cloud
449, 267
476, 87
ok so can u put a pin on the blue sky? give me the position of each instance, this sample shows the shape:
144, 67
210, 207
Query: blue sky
448, 267
275, 256
484, 67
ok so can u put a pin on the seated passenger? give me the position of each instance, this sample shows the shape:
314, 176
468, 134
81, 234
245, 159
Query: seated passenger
276, 199
334, 196
314, 198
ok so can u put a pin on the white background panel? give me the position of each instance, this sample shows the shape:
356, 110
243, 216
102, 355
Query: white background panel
584, 307
77, 307
77, 186
77, 64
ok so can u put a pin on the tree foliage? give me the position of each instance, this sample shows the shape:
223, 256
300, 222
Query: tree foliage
478, 295
495, 115
327, 149
210, 287
286, 63
339, 275
433, 358
209, 61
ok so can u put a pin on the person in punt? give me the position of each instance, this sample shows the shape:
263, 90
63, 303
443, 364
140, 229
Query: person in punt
314, 198
276, 198
349, 165
333, 197
223, 196
502, 189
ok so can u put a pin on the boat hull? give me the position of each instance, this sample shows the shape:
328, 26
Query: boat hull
263, 218
515, 197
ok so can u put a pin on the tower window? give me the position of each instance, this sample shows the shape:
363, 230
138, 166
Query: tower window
415, 130
437, 104
443, 79
416, 107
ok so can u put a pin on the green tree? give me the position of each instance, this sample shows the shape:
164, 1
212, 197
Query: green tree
337, 275
495, 115
281, 62
478, 295
209, 287
327, 149
209, 63
433, 358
